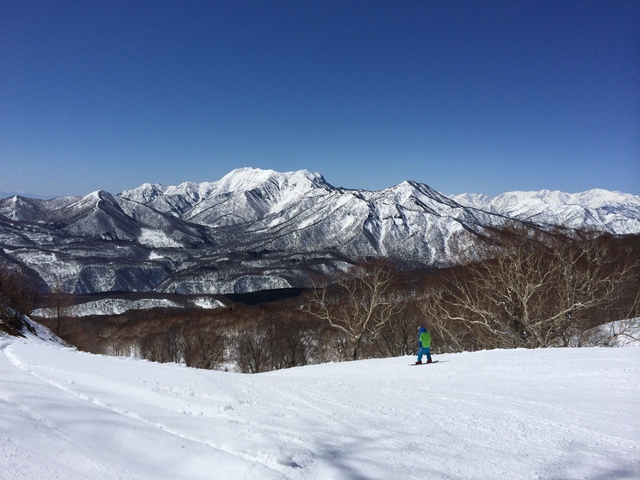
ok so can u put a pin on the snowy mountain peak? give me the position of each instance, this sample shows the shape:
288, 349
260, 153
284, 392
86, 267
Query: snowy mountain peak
144, 193
594, 198
187, 195
597, 209
92, 200
243, 179
407, 190
598, 197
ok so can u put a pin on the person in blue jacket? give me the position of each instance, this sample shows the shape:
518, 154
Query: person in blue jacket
424, 345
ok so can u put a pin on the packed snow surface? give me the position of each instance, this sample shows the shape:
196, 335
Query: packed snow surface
547, 414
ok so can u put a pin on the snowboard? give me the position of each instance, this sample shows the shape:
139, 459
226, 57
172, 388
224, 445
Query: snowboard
424, 363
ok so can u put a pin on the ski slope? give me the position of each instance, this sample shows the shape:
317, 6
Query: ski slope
530, 414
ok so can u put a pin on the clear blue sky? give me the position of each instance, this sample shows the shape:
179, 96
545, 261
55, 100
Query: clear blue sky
465, 96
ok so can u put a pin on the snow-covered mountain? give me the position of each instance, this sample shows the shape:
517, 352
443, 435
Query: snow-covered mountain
117, 306
260, 229
600, 210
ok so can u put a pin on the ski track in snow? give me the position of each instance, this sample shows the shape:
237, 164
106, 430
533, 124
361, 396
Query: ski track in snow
127, 403
540, 414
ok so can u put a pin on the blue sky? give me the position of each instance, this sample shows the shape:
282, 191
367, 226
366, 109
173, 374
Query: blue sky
465, 96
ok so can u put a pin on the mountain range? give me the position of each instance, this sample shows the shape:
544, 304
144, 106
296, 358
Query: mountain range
260, 229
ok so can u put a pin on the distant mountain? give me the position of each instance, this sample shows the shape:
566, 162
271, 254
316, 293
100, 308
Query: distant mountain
260, 229
600, 210
25, 194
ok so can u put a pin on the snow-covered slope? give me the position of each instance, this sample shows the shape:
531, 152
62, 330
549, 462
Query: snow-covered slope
601, 210
570, 414
117, 306
242, 195
14, 324
257, 229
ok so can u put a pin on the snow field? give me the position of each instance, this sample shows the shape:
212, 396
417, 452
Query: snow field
552, 413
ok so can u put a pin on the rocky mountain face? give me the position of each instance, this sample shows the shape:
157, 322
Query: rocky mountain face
259, 229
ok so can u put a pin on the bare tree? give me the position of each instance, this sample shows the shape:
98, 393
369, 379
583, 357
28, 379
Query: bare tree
61, 302
452, 334
359, 304
531, 288
253, 350
203, 348
398, 336
155, 347
113, 343
624, 325
18, 291
288, 343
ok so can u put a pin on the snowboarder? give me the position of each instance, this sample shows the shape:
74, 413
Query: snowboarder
424, 345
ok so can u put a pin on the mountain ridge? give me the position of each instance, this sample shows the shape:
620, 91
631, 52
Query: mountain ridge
598, 209
259, 229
